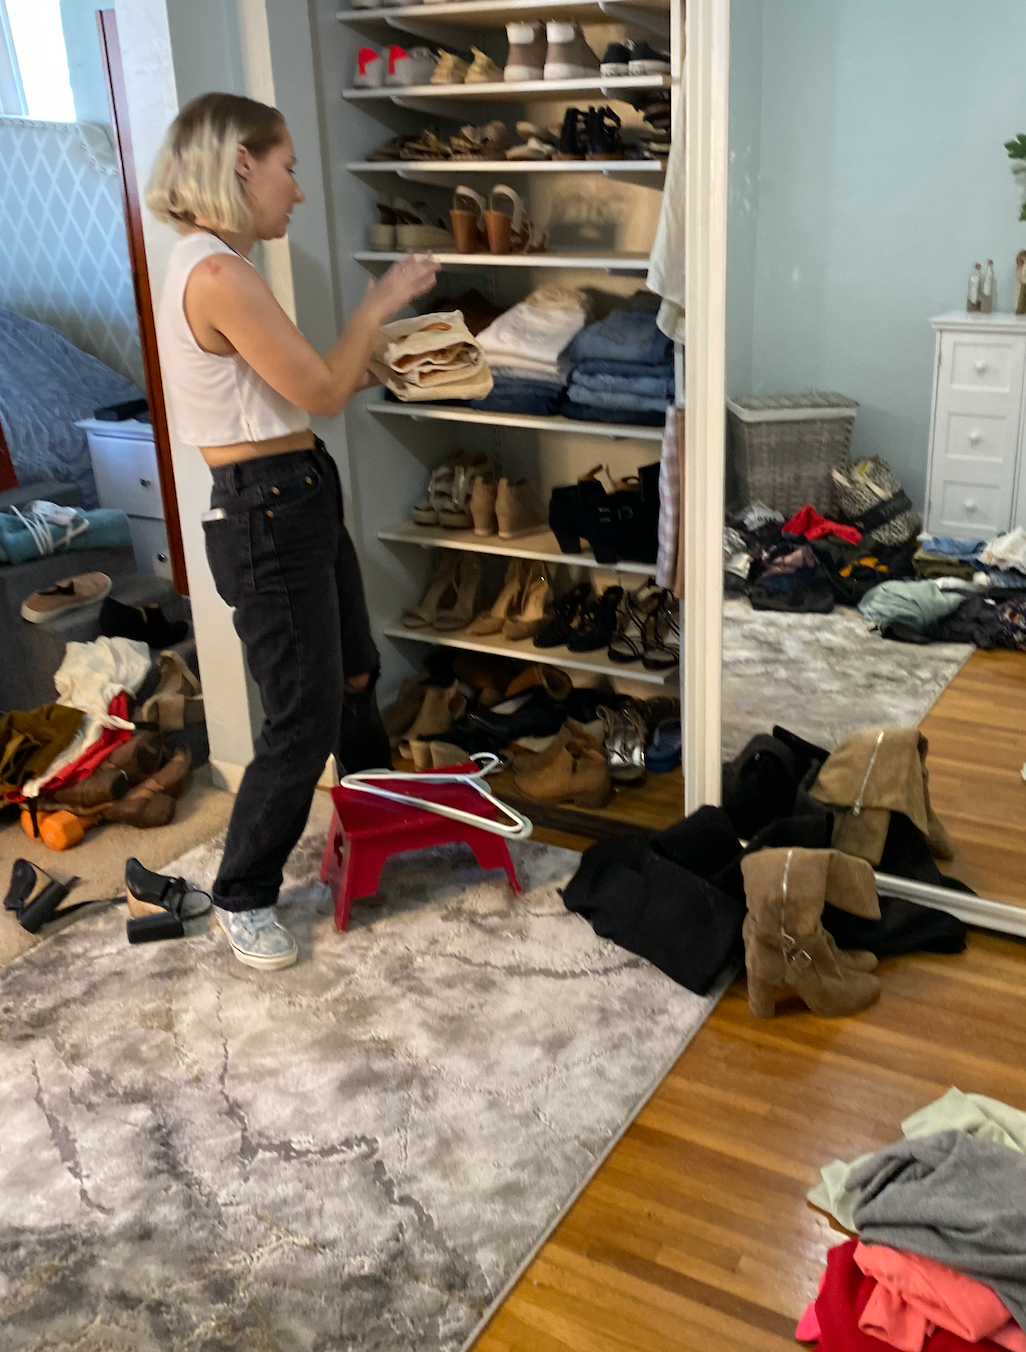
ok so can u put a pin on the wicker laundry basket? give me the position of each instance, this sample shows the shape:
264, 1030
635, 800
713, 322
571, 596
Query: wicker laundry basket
782, 449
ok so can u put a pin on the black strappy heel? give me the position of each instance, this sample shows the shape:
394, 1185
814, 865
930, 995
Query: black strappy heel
158, 904
33, 895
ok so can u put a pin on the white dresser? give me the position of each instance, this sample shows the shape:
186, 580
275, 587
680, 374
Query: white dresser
125, 469
977, 478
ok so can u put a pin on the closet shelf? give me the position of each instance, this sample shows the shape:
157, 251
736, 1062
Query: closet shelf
615, 263
525, 651
500, 92
498, 13
451, 173
615, 431
541, 546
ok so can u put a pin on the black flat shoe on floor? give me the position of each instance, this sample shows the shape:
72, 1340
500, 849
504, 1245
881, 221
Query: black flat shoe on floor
33, 895
147, 624
157, 904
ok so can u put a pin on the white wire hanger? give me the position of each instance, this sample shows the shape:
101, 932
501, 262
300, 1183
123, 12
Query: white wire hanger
517, 827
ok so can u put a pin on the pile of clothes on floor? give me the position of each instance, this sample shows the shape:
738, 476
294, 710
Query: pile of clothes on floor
113, 745
801, 897
563, 351
927, 589
564, 743
938, 1258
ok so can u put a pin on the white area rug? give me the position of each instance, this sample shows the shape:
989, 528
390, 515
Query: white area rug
824, 676
360, 1152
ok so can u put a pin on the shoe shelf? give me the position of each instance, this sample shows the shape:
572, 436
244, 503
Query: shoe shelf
597, 262
614, 431
497, 91
485, 14
525, 651
541, 546
451, 173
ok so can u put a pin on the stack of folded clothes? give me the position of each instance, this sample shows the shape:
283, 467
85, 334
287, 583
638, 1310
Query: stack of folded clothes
622, 368
431, 356
523, 348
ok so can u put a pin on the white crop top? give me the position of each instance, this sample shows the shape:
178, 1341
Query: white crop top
216, 401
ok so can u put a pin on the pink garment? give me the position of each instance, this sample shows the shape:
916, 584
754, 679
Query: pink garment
808, 1326
813, 525
914, 1296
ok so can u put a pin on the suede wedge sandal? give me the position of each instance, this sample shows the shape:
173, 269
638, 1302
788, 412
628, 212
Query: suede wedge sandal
491, 620
157, 904
467, 217
33, 895
535, 607
510, 231
441, 589
415, 228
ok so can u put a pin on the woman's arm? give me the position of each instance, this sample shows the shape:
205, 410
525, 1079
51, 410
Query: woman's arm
228, 304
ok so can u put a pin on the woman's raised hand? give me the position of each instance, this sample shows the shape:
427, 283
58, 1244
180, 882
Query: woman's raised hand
412, 276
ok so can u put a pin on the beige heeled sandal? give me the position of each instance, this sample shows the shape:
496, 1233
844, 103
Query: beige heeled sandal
467, 217
534, 609
492, 620
467, 582
510, 231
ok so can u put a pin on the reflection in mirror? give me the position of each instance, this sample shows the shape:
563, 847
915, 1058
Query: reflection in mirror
874, 545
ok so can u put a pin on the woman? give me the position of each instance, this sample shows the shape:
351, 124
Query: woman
242, 382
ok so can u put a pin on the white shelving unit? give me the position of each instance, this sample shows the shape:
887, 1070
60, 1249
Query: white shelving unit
523, 649
614, 263
423, 413
600, 216
541, 546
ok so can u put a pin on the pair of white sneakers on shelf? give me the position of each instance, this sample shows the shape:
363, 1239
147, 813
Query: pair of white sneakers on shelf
394, 67
555, 50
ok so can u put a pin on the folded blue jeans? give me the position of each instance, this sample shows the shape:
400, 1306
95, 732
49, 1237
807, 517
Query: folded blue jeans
623, 400
592, 413
605, 366
656, 387
624, 335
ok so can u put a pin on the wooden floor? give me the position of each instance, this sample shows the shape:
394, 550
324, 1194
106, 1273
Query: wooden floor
977, 735
695, 1234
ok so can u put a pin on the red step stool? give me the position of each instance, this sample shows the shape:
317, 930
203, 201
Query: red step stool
366, 830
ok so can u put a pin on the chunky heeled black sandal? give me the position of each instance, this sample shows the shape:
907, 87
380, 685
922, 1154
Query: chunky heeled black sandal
157, 904
33, 895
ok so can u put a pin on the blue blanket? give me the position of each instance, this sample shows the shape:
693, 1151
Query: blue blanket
107, 527
46, 385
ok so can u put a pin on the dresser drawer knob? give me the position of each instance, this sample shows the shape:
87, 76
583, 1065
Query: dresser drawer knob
162, 558
970, 505
145, 483
981, 367
974, 436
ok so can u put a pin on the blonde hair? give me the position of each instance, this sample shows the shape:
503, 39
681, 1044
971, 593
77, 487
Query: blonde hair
194, 174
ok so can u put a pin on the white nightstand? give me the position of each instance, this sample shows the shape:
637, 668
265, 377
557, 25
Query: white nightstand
125, 468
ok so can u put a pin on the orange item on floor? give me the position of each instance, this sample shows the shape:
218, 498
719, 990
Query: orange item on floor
57, 830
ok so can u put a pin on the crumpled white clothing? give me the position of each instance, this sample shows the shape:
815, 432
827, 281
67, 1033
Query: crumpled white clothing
1007, 551
89, 678
666, 261
531, 335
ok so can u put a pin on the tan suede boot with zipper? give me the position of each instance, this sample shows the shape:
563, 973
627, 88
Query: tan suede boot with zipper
786, 946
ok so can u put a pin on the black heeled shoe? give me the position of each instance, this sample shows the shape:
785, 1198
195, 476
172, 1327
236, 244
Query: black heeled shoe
158, 905
538, 716
33, 895
568, 609
598, 623
573, 511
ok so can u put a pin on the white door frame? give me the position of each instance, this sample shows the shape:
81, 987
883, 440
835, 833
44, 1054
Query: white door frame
707, 91
707, 87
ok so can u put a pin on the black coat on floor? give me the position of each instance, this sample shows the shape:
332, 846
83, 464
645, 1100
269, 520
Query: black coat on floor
664, 898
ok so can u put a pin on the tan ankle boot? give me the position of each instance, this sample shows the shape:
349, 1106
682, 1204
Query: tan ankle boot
441, 706
785, 943
576, 773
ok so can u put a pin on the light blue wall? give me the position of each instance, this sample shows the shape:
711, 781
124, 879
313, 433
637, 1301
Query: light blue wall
882, 178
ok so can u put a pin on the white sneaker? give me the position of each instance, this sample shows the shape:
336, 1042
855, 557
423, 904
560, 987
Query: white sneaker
258, 938
568, 56
370, 69
413, 67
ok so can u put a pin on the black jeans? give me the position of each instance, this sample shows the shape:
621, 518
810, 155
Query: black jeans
282, 557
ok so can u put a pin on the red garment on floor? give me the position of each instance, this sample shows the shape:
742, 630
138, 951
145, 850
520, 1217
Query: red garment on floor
813, 525
93, 756
842, 1299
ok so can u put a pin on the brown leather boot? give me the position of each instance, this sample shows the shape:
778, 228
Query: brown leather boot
786, 945
152, 803
107, 782
139, 757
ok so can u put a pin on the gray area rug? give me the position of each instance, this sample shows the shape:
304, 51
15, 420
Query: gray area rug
824, 676
360, 1152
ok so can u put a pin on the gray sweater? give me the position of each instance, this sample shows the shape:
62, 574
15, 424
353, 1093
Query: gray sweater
954, 1198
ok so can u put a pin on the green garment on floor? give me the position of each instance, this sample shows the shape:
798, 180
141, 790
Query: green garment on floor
986, 1118
31, 740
